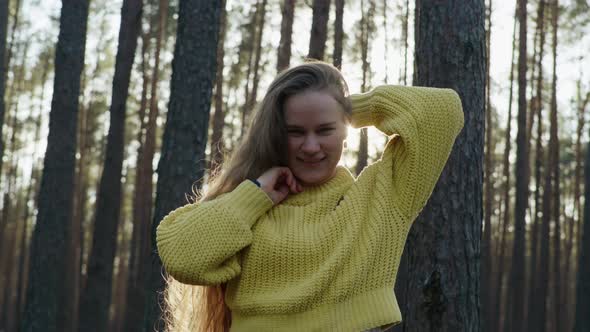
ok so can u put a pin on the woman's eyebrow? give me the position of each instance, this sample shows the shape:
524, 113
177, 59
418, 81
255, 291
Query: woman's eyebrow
327, 124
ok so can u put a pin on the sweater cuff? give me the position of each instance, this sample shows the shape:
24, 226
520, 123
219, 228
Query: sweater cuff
249, 202
362, 110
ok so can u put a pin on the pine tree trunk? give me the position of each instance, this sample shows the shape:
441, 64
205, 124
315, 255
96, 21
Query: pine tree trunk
139, 238
48, 247
505, 217
577, 217
363, 150
261, 12
536, 109
217, 145
339, 34
284, 53
319, 29
556, 212
515, 309
452, 303
582, 319
254, 32
96, 299
486, 248
32, 191
186, 126
3, 69
405, 23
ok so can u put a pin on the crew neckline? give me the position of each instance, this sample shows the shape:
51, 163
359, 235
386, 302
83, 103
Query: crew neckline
343, 177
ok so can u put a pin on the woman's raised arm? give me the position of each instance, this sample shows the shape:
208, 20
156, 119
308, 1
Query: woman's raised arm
427, 121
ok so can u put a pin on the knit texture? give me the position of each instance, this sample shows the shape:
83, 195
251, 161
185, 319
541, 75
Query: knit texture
325, 259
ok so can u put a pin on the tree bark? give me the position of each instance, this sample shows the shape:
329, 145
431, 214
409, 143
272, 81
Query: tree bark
3, 68
536, 108
141, 222
96, 299
555, 200
319, 29
217, 145
186, 126
284, 52
486, 247
582, 320
441, 290
501, 259
339, 34
515, 310
48, 245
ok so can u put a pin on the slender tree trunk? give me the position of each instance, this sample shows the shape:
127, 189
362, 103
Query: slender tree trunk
256, 78
486, 248
3, 69
499, 287
363, 150
536, 109
95, 300
48, 246
284, 52
254, 32
135, 285
577, 217
554, 138
451, 283
217, 144
339, 34
190, 101
319, 29
32, 191
405, 23
517, 272
582, 319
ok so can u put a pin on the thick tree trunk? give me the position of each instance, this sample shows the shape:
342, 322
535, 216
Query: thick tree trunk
441, 290
339, 34
515, 310
284, 52
186, 126
96, 299
48, 247
319, 29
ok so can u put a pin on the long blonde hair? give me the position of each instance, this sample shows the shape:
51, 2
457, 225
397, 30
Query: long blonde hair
203, 308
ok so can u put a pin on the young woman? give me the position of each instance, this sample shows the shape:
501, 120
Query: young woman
288, 240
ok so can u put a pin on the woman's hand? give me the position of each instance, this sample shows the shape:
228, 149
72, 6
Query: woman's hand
278, 182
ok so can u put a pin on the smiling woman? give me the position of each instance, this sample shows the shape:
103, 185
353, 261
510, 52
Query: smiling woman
284, 238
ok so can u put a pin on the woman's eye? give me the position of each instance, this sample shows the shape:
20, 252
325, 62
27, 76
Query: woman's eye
295, 132
326, 130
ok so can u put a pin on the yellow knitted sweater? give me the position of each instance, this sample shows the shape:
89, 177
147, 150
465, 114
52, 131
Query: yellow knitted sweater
325, 259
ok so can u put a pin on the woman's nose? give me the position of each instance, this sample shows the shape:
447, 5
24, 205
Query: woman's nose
311, 144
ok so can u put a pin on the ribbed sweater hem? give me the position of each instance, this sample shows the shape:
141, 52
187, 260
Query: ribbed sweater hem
360, 312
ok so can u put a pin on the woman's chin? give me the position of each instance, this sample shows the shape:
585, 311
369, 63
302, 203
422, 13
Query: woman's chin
311, 180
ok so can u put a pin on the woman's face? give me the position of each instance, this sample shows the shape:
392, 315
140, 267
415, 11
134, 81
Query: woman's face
316, 130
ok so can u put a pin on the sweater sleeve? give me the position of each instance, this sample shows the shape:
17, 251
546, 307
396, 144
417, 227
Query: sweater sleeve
198, 243
425, 122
